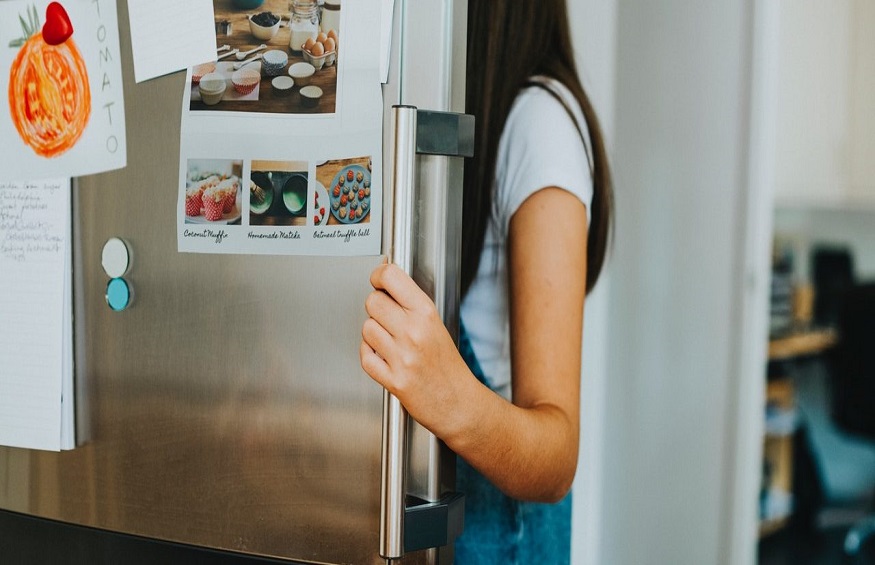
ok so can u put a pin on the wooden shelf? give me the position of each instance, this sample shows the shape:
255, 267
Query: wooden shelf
844, 203
769, 527
802, 343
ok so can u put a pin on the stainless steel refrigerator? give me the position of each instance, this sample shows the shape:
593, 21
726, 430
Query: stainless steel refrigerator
244, 425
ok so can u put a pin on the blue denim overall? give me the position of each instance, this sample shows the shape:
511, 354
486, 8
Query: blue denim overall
500, 530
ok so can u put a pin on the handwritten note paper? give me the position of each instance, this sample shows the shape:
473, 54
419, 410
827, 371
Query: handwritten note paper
35, 315
169, 35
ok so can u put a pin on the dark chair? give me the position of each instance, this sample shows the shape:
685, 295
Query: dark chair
832, 274
853, 382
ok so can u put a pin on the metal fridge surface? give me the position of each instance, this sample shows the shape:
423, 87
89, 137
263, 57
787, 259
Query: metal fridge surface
226, 407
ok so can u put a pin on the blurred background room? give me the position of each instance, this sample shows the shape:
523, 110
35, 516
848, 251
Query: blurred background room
728, 379
728, 382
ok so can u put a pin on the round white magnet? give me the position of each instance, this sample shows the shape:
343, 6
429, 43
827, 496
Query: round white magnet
116, 259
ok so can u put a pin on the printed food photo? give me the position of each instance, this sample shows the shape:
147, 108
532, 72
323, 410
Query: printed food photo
349, 190
275, 56
213, 192
278, 192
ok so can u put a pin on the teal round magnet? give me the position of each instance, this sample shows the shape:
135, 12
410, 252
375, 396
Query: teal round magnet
118, 294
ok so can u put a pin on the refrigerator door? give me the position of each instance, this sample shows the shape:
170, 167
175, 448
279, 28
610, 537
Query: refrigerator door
226, 407
429, 61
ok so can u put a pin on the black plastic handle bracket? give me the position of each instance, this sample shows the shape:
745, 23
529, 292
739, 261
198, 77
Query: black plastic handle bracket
444, 133
433, 524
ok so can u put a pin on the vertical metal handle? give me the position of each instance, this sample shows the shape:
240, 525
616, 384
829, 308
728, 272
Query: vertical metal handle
393, 489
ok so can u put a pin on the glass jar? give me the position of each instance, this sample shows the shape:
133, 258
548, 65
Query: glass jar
331, 16
304, 24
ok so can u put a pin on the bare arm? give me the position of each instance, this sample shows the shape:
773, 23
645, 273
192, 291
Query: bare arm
528, 449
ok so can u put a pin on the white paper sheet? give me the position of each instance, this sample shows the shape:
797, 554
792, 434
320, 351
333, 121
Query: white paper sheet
66, 119
271, 145
36, 376
388, 11
169, 35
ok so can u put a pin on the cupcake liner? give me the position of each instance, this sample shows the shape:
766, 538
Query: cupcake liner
199, 71
273, 70
245, 80
213, 209
229, 201
193, 205
245, 89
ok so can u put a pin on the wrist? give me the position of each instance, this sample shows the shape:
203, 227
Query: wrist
466, 416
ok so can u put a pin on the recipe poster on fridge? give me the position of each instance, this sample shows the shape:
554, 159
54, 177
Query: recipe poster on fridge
281, 134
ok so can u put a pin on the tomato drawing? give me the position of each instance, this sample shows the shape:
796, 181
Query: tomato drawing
49, 95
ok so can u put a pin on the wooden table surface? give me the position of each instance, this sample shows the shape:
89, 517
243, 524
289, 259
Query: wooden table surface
801, 342
241, 38
325, 174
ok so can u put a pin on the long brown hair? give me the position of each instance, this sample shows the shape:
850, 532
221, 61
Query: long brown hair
510, 41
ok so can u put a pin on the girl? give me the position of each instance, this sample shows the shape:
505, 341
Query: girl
537, 209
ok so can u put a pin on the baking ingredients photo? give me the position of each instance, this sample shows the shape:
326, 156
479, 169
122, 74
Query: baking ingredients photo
275, 56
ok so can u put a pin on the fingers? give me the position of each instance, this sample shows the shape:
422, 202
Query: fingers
398, 284
382, 308
378, 339
373, 364
401, 319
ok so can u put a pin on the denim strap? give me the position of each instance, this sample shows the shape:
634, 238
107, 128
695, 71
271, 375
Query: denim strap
500, 529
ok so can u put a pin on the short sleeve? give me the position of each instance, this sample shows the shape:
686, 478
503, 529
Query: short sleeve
541, 147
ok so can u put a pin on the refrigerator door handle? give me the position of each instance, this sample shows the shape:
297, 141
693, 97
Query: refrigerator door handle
439, 523
393, 487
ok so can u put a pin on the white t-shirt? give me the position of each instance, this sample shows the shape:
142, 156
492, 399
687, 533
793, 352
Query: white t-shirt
539, 147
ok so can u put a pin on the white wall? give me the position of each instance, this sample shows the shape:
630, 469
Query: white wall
685, 268
594, 33
676, 331
814, 92
862, 95
826, 119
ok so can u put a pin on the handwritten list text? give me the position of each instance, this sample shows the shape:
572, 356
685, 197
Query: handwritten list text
34, 255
